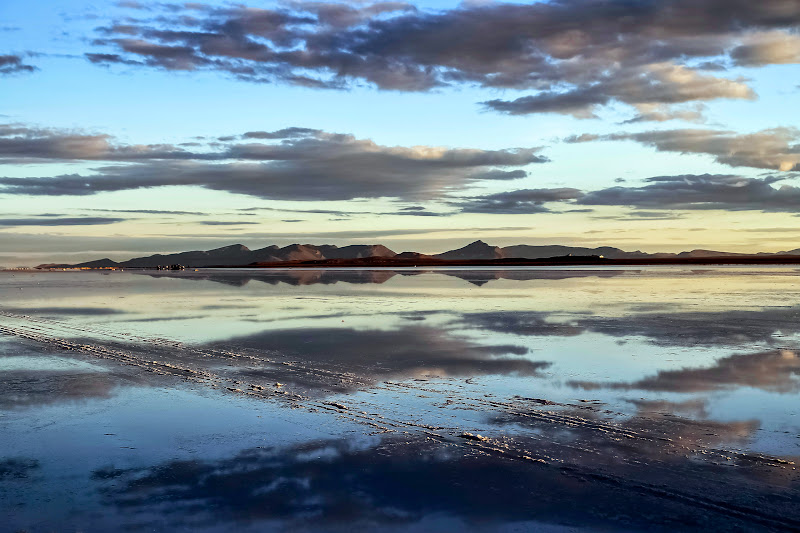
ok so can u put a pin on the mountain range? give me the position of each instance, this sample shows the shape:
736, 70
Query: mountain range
240, 255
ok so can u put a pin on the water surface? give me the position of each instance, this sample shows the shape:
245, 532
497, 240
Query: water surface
532, 398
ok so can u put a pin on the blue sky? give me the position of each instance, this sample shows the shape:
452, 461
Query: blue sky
433, 99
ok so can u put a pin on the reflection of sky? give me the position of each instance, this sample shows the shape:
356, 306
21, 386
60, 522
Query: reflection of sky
704, 359
564, 334
134, 428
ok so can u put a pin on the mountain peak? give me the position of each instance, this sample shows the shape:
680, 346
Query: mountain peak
230, 248
474, 250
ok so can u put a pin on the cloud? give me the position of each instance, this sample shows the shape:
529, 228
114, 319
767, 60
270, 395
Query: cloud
774, 149
61, 221
580, 103
662, 113
525, 201
575, 55
707, 191
290, 164
224, 223
652, 86
147, 211
286, 133
12, 64
768, 49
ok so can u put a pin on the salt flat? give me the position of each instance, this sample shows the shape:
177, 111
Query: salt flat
654, 398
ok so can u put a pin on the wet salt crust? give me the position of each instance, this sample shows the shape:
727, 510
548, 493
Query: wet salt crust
658, 398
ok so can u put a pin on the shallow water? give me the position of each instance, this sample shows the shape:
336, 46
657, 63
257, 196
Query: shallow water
618, 399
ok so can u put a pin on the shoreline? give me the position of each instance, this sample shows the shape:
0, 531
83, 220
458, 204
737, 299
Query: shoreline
583, 261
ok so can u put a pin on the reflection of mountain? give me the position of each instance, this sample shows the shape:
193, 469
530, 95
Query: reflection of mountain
481, 277
239, 278
421, 485
326, 277
775, 371
376, 354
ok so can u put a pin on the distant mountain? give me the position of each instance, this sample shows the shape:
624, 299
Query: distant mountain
236, 254
523, 251
707, 253
240, 255
100, 263
475, 250
359, 251
481, 250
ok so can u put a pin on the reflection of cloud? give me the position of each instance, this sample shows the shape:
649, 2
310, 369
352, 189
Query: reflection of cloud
375, 354
775, 371
17, 468
330, 486
79, 311
528, 324
694, 408
653, 432
661, 327
38, 387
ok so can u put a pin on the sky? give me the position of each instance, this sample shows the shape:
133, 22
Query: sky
136, 127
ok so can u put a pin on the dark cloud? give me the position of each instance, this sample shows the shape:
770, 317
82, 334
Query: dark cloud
775, 149
579, 103
224, 223
642, 215
707, 191
20, 143
296, 164
524, 201
147, 211
575, 54
82, 221
286, 133
13, 64
768, 49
